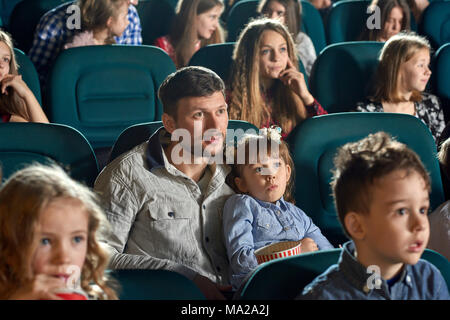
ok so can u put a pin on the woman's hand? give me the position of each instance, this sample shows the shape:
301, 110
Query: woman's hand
34, 110
308, 245
295, 80
15, 81
40, 288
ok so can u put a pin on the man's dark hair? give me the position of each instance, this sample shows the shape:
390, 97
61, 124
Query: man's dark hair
191, 81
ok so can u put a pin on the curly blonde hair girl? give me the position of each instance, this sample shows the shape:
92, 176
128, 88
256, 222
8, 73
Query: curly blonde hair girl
23, 198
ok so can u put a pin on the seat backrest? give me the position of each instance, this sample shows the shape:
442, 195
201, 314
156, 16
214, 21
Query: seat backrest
284, 279
313, 153
25, 17
139, 133
29, 73
312, 25
346, 20
24, 143
156, 17
217, 57
138, 284
108, 89
435, 24
440, 78
342, 74
6, 8
440, 262
240, 14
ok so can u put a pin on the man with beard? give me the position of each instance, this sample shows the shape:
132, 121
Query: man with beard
164, 198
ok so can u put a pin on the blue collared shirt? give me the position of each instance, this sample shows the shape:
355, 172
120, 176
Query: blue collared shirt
349, 280
250, 224
52, 34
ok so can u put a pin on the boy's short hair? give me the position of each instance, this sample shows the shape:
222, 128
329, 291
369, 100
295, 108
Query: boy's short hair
359, 164
191, 81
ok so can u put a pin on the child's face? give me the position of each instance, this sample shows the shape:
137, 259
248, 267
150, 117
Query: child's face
5, 60
396, 229
276, 10
393, 24
273, 55
207, 22
415, 73
62, 239
119, 24
265, 181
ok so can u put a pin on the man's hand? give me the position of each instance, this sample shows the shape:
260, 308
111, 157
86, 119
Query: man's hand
210, 290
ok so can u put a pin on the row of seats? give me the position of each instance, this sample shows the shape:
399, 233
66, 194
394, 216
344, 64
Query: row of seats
311, 149
343, 23
281, 279
113, 87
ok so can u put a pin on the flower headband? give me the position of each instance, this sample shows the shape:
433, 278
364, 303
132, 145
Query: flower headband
273, 133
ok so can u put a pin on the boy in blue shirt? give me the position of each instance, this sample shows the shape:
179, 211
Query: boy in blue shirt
381, 190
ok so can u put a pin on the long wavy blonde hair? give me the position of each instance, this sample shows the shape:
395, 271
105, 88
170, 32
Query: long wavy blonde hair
247, 100
11, 103
23, 197
183, 33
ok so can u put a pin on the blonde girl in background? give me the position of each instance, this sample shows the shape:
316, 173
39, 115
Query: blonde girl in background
17, 101
101, 21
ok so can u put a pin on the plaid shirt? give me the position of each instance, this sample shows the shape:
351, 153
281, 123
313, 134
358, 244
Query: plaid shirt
52, 34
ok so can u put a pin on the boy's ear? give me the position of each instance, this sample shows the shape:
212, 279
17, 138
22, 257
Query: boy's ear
354, 225
109, 22
241, 185
168, 122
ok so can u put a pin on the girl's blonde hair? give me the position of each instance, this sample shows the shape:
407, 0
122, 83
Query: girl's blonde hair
247, 101
253, 143
183, 33
12, 103
293, 13
95, 14
22, 199
396, 51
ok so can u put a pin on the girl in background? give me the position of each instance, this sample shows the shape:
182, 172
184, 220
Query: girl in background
266, 87
196, 24
289, 12
17, 101
402, 75
101, 21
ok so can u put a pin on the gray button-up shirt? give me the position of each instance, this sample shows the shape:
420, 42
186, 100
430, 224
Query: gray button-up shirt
159, 216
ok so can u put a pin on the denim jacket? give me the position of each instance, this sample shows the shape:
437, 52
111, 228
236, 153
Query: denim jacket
250, 224
349, 280
160, 218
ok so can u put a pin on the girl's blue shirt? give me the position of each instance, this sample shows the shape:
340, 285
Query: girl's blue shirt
250, 224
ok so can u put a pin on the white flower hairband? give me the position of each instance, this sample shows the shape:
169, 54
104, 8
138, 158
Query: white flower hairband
273, 133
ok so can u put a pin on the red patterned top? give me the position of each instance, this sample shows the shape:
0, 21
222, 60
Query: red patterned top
5, 117
165, 44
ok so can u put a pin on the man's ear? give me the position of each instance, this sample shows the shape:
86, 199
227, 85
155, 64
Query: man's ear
354, 223
168, 122
241, 185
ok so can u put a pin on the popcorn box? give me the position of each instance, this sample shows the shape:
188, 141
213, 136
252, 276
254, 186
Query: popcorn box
278, 250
